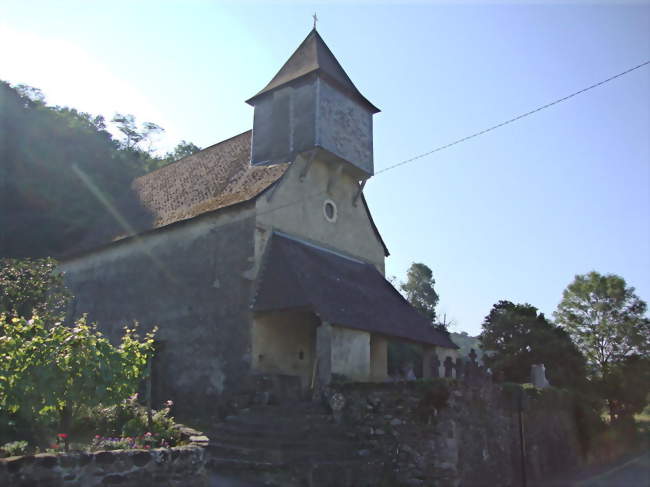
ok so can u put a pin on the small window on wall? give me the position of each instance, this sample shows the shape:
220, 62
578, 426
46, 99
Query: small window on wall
329, 211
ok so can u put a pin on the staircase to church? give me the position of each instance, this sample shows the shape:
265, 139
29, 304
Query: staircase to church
296, 445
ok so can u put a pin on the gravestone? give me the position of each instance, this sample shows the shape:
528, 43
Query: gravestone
472, 356
538, 376
435, 365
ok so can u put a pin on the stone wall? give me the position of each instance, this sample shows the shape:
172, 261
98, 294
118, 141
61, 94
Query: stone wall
472, 437
191, 281
179, 466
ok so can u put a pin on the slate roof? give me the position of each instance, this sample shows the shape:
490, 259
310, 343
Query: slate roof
314, 57
339, 289
216, 177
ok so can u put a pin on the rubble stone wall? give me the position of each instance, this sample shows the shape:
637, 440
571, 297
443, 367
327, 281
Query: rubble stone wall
179, 466
445, 433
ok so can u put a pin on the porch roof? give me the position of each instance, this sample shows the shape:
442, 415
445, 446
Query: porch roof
339, 289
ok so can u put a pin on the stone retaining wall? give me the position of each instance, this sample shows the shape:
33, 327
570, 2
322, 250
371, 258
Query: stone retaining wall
470, 438
178, 466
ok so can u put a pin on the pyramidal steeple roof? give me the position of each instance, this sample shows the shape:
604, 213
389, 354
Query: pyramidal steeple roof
314, 57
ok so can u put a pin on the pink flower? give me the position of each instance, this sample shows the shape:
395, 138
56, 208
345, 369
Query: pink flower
169, 403
147, 434
62, 435
147, 447
97, 437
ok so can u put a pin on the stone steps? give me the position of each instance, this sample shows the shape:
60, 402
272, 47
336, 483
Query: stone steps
278, 441
284, 432
290, 445
283, 455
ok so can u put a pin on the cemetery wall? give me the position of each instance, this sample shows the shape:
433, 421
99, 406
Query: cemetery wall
448, 433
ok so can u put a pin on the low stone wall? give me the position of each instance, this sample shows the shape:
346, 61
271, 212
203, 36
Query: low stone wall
446, 433
178, 466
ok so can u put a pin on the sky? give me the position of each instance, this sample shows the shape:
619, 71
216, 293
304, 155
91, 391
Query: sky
514, 214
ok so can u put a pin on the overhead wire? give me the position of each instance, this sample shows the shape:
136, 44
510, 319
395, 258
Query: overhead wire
271, 209
509, 121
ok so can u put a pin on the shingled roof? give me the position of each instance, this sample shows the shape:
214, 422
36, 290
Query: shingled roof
339, 289
313, 57
214, 178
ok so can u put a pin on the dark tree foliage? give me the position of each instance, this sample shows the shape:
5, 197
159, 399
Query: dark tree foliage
420, 293
626, 385
516, 336
60, 169
31, 287
419, 290
183, 149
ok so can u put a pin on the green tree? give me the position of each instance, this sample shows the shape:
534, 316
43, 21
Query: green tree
626, 384
516, 336
605, 319
183, 149
49, 372
32, 286
134, 135
419, 290
61, 171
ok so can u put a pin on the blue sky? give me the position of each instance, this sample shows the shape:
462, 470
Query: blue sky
514, 214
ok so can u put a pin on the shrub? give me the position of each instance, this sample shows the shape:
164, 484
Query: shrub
162, 425
49, 373
15, 448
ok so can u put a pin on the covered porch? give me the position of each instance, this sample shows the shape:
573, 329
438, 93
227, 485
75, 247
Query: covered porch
319, 313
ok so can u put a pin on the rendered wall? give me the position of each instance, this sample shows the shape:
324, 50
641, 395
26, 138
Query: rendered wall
191, 281
296, 208
351, 353
278, 340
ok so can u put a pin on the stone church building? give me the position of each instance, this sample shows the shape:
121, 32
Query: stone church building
258, 255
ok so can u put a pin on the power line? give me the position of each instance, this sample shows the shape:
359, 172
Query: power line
272, 209
519, 117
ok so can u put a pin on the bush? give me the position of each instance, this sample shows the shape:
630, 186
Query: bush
15, 448
50, 373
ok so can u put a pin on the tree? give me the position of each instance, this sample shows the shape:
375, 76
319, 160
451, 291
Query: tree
32, 287
516, 336
49, 369
61, 170
605, 319
48, 373
183, 149
627, 387
134, 135
419, 290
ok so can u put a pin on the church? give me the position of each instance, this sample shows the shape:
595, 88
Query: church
258, 255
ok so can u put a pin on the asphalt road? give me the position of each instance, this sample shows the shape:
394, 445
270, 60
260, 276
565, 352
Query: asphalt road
633, 473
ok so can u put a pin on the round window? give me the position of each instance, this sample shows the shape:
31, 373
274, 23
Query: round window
329, 210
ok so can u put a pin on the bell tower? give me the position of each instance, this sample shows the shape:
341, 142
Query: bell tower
312, 105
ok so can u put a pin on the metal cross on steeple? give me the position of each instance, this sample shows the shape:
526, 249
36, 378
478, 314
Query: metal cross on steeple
315, 20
